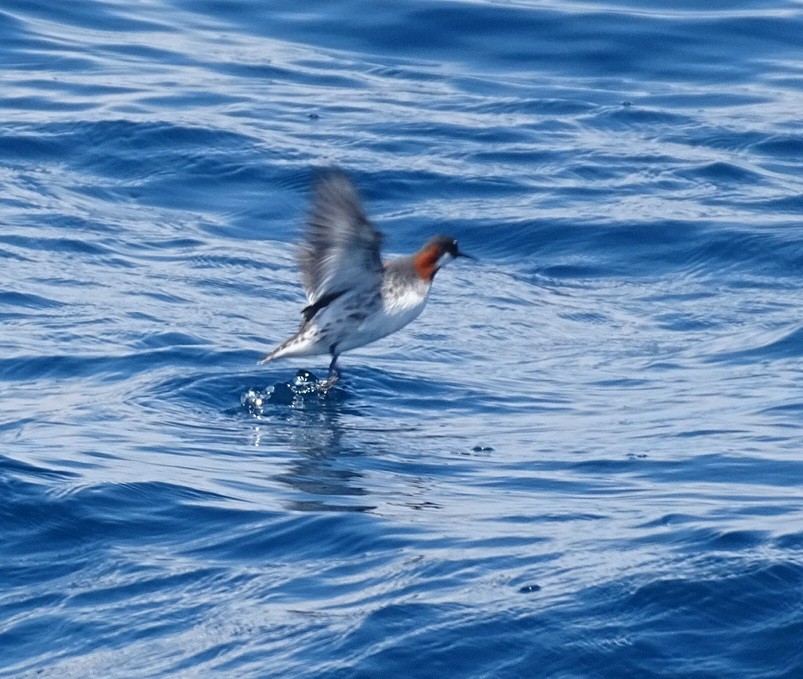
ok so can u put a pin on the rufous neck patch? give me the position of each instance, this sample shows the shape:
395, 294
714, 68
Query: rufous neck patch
425, 263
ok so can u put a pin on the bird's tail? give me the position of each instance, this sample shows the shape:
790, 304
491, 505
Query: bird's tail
278, 352
297, 345
267, 358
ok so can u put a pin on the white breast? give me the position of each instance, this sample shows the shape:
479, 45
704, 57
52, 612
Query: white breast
396, 312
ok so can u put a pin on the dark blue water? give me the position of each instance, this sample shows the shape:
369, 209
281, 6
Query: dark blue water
583, 460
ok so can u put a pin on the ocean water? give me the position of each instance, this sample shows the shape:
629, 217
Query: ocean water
585, 459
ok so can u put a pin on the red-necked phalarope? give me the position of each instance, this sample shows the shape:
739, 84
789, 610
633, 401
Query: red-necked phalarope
354, 298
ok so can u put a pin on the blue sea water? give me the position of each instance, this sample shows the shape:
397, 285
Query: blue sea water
583, 460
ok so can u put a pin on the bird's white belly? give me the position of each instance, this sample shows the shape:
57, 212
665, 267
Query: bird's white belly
393, 315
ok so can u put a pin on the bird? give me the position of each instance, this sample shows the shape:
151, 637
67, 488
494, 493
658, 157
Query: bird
353, 296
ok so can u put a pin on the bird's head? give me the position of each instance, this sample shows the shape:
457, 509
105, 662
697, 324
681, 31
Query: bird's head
436, 253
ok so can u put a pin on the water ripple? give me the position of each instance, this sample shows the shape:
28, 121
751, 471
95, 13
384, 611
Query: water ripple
583, 459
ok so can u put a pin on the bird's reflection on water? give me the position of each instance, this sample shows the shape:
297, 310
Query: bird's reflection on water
312, 426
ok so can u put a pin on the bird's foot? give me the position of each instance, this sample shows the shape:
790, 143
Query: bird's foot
329, 382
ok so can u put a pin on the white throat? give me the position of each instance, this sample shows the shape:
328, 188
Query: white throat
443, 260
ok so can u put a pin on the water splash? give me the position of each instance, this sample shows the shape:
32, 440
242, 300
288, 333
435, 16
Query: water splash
304, 388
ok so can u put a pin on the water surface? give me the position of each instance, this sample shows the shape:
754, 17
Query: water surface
583, 460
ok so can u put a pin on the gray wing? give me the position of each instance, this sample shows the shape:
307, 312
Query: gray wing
340, 248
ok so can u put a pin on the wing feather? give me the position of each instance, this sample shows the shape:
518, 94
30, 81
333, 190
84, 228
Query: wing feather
340, 249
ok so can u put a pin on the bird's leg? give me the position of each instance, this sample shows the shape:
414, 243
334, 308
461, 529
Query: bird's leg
334, 373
